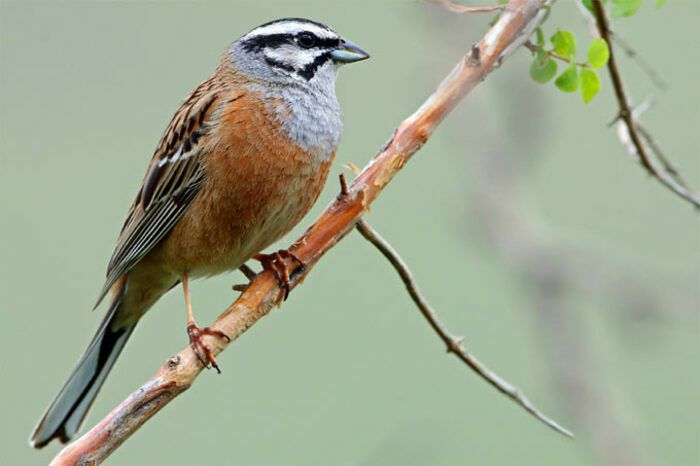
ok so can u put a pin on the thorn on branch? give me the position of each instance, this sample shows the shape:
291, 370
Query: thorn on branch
343, 185
615, 119
454, 343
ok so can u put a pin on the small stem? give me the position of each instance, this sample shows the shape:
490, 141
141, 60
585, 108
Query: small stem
534, 48
453, 343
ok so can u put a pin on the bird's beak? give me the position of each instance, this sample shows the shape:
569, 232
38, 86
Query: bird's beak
347, 52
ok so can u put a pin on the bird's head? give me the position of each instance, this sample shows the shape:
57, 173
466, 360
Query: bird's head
293, 50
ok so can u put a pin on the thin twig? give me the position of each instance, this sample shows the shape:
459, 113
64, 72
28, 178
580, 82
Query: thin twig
454, 343
534, 48
457, 8
334, 223
623, 134
658, 152
626, 113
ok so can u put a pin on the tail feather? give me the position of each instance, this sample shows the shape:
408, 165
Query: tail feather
65, 414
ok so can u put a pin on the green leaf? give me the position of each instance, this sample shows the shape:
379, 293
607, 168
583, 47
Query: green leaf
541, 57
539, 37
590, 84
568, 80
660, 3
564, 43
625, 7
543, 68
598, 53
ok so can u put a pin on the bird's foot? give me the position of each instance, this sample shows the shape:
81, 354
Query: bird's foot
277, 262
200, 348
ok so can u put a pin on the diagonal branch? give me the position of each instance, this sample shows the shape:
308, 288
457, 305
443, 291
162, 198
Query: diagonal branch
623, 135
659, 153
627, 117
454, 343
336, 221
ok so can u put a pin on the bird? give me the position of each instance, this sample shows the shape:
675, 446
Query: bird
242, 161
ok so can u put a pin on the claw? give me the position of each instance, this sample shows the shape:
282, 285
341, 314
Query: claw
277, 262
201, 350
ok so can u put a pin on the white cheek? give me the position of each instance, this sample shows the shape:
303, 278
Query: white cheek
293, 56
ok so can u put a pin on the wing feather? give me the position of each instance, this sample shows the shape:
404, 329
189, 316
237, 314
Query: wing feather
173, 179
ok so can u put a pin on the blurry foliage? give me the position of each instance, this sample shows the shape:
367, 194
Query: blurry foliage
576, 76
621, 8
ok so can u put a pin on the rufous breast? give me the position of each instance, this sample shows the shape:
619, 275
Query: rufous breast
258, 185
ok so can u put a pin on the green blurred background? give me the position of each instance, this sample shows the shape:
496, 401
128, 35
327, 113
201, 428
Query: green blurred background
605, 339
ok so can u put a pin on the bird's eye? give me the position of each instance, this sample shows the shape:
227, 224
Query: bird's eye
306, 40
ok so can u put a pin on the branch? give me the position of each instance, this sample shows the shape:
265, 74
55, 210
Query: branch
336, 221
454, 343
625, 113
665, 162
626, 141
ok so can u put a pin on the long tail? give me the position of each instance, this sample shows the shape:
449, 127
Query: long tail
63, 418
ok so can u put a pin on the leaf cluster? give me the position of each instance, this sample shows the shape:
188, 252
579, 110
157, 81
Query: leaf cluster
577, 76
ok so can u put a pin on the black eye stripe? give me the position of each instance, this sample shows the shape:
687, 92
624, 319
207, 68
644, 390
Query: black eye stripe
324, 43
258, 43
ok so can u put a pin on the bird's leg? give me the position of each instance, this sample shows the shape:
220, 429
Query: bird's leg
200, 348
277, 262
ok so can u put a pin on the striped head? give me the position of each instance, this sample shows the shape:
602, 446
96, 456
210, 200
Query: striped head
293, 50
